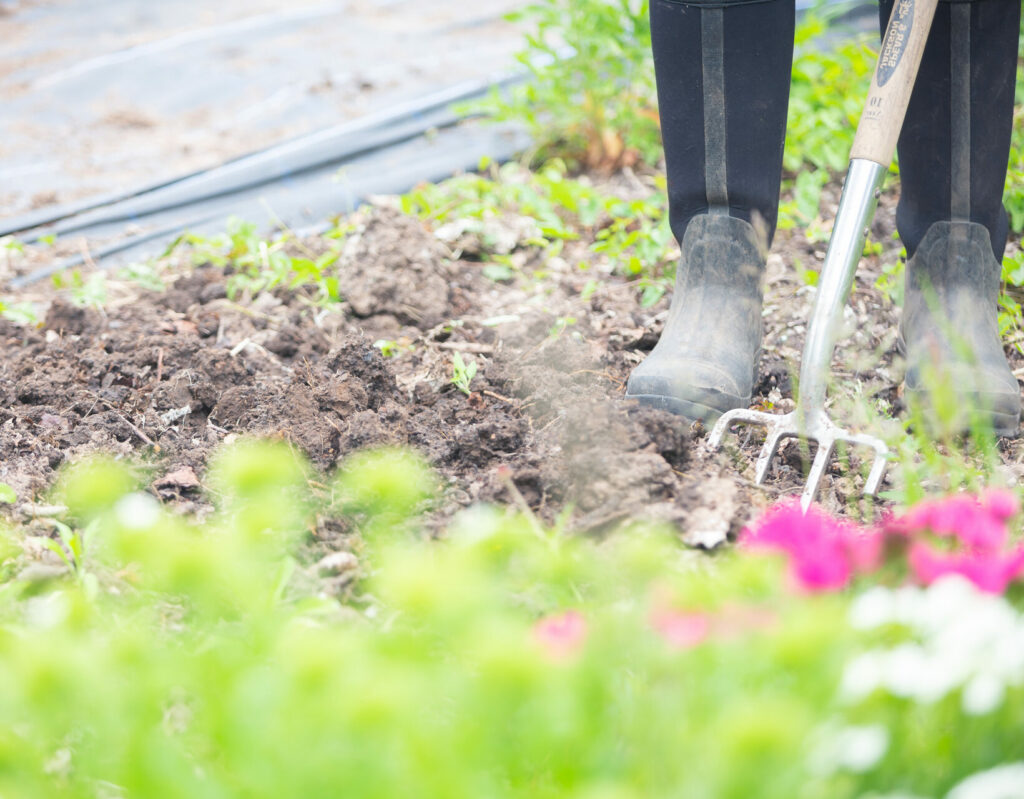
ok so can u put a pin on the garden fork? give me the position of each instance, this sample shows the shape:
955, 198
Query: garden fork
870, 156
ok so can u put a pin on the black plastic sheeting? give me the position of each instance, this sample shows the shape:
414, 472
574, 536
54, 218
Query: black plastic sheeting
298, 184
102, 95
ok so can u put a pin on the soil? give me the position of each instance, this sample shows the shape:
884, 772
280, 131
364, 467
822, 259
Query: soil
167, 377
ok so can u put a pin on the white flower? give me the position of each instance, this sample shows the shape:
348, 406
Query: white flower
896, 795
960, 633
982, 694
909, 606
1001, 782
861, 677
861, 747
137, 511
1008, 656
854, 748
906, 671
873, 608
947, 598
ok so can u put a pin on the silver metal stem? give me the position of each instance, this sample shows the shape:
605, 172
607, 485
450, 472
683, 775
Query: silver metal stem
856, 210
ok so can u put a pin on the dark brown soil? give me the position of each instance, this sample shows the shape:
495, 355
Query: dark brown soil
167, 377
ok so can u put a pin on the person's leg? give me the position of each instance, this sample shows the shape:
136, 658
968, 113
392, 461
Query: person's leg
723, 71
953, 152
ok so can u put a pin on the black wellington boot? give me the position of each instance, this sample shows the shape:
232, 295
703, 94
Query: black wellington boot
953, 153
949, 326
704, 363
723, 71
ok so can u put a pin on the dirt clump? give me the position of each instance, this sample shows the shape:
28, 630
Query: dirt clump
394, 266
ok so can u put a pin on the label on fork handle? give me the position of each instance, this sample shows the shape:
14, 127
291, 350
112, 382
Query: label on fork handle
896, 37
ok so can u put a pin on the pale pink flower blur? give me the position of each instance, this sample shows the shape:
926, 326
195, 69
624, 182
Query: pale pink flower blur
561, 635
681, 629
686, 629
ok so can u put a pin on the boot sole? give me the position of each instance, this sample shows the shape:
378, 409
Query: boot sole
693, 411
1005, 424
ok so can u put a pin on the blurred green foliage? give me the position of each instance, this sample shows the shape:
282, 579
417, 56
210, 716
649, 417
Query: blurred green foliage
506, 660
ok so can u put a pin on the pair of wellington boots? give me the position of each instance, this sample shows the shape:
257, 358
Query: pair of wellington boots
705, 362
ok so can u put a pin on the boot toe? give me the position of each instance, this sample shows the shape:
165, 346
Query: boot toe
695, 390
970, 391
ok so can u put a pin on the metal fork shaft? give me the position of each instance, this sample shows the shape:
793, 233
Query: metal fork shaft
856, 210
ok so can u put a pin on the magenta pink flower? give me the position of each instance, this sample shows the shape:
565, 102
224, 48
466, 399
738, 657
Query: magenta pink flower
990, 571
1002, 504
823, 552
681, 629
974, 523
561, 635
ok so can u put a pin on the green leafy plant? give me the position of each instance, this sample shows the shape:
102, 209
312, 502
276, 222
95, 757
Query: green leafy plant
263, 264
590, 98
22, 313
633, 235
826, 96
825, 101
463, 373
85, 292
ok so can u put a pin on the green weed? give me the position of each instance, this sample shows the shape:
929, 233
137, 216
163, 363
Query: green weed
261, 264
21, 313
633, 235
463, 373
85, 292
590, 99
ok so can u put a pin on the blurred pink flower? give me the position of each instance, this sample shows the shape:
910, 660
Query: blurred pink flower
989, 570
1001, 503
561, 635
976, 522
824, 552
681, 629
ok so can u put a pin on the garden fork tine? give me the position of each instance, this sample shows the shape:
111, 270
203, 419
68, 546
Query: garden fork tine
870, 156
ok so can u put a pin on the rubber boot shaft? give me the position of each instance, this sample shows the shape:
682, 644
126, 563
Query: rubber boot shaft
723, 73
955, 142
950, 330
704, 362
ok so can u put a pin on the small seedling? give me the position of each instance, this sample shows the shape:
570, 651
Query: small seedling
22, 313
462, 373
389, 348
561, 324
71, 549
